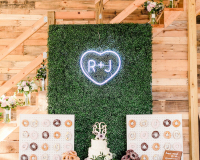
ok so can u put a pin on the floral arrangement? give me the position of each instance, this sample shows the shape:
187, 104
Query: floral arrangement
7, 103
41, 72
154, 7
26, 87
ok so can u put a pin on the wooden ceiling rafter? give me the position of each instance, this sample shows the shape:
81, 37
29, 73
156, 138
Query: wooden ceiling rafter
25, 35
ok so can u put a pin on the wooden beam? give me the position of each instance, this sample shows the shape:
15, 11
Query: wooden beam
197, 7
192, 81
51, 17
75, 15
99, 12
132, 7
23, 73
15, 43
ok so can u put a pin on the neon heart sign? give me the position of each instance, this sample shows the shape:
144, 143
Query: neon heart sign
100, 67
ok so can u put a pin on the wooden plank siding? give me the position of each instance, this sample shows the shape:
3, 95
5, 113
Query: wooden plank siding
170, 52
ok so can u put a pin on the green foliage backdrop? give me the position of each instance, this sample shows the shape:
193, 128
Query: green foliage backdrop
129, 92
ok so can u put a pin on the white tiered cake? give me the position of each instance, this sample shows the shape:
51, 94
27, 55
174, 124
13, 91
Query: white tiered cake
99, 144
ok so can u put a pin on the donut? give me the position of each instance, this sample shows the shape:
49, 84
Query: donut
155, 123
33, 157
167, 135
177, 146
34, 135
33, 146
156, 157
144, 157
144, 135
68, 123
132, 135
34, 123
68, 146
167, 146
24, 157
176, 123
24, 146
72, 157
144, 123
65, 157
56, 157
45, 135
155, 134
57, 123
56, 135
68, 136
44, 157
25, 134
46, 123
177, 135
144, 146
25, 123
132, 123
167, 123
45, 147
73, 153
133, 146
156, 146
56, 147
134, 156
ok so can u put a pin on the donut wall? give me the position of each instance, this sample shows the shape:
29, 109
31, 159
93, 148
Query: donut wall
151, 135
45, 136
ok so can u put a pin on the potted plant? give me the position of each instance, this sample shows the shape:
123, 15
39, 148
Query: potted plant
154, 9
41, 75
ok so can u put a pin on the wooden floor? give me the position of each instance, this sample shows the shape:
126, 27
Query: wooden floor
9, 134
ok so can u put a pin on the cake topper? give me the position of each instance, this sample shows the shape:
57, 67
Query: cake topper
100, 130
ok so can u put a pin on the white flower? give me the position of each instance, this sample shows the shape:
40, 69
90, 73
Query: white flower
26, 88
12, 100
34, 86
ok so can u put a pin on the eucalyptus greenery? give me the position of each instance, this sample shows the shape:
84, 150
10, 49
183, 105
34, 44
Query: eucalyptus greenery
129, 92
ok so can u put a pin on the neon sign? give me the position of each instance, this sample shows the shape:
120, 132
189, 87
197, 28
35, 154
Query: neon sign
100, 67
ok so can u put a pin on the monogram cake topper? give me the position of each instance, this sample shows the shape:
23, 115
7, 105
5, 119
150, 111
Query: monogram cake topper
100, 67
100, 130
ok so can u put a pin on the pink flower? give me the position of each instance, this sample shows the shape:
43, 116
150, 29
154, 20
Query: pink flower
3, 104
148, 8
24, 83
19, 87
5, 98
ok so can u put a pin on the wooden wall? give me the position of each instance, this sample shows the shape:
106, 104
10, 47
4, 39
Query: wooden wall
170, 83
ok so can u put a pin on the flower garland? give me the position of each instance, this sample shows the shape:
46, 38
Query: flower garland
109, 156
154, 7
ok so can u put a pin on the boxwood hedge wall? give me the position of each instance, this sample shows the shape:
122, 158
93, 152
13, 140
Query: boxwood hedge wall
129, 92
